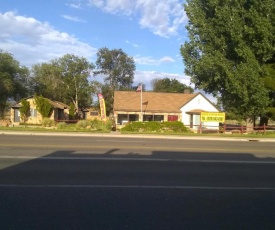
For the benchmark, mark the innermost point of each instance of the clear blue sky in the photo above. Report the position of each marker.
(150, 31)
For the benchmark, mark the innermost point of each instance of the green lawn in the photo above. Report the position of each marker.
(72, 128)
(69, 128)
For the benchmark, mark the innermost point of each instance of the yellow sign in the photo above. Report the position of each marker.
(102, 106)
(212, 117)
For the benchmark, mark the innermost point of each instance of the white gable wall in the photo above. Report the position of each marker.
(198, 103)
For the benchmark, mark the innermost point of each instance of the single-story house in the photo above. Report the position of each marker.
(60, 112)
(153, 106)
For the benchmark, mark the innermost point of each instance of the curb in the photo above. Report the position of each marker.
(152, 136)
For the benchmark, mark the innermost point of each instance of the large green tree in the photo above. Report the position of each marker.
(48, 82)
(118, 70)
(13, 80)
(106, 91)
(229, 43)
(168, 85)
(65, 79)
(269, 82)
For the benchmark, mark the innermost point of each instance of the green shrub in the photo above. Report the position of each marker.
(24, 110)
(134, 127)
(100, 125)
(72, 111)
(61, 125)
(175, 126)
(82, 124)
(96, 124)
(154, 126)
(109, 125)
(43, 106)
(47, 122)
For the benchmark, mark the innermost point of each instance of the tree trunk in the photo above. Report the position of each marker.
(249, 125)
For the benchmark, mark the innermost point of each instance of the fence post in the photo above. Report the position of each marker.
(241, 129)
(264, 128)
(224, 128)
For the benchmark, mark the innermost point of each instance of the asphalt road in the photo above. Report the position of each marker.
(68, 182)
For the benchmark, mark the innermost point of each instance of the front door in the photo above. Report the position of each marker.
(16, 115)
(196, 121)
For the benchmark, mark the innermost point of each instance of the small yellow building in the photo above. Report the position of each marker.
(60, 112)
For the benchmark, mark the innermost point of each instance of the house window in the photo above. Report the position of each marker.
(133, 117)
(94, 113)
(158, 117)
(147, 117)
(122, 119)
(153, 118)
(172, 118)
(33, 112)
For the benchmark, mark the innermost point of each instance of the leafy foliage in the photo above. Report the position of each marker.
(24, 110)
(175, 126)
(82, 124)
(61, 125)
(269, 82)
(230, 41)
(47, 81)
(168, 85)
(93, 125)
(65, 79)
(118, 71)
(108, 97)
(154, 126)
(271, 113)
(43, 106)
(72, 111)
(101, 125)
(47, 122)
(13, 80)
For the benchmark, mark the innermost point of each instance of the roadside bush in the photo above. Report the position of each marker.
(100, 125)
(96, 124)
(134, 127)
(82, 124)
(154, 126)
(61, 125)
(175, 126)
(47, 122)
(109, 125)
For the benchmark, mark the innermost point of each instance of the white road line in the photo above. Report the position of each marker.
(136, 187)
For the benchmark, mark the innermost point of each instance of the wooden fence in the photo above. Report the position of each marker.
(230, 128)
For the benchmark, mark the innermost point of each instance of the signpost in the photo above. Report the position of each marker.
(102, 107)
(212, 117)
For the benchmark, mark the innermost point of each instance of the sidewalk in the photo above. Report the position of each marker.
(119, 135)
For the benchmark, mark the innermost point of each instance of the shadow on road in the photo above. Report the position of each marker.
(68, 189)
(161, 168)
